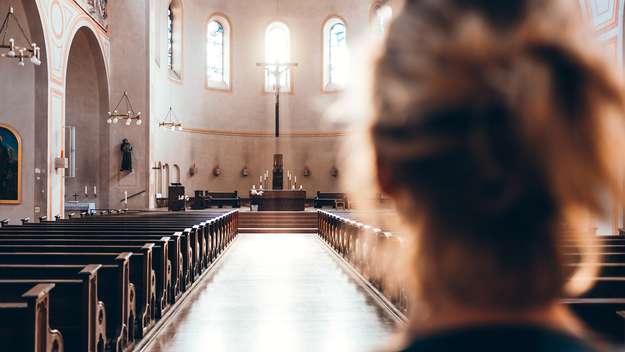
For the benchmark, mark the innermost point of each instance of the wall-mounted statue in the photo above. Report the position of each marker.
(126, 149)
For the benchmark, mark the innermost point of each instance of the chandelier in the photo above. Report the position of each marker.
(170, 121)
(29, 52)
(127, 115)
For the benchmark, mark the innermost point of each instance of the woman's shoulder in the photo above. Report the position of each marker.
(511, 338)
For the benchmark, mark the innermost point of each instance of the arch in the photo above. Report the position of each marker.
(86, 104)
(277, 50)
(166, 184)
(335, 54)
(218, 56)
(175, 39)
(32, 90)
(176, 178)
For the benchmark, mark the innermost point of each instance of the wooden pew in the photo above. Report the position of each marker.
(160, 256)
(24, 321)
(605, 316)
(73, 305)
(329, 199)
(94, 240)
(189, 240)
(220, 199)
(142, 275)
(118, 294)
(177, 260)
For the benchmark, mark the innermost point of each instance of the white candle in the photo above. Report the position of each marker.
(261, 179)
(126, 197)
(86, 190)
(295, 179)
(95, 190)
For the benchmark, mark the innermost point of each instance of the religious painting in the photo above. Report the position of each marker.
(10, 166)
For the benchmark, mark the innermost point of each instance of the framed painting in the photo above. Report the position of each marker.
(10, 166)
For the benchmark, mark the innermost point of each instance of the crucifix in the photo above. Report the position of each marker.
(76, 195)
(276, 70)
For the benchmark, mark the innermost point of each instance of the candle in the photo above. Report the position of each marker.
(95, 190)
(86, 190)
(295, 179)
(126, 197)
(261, 179)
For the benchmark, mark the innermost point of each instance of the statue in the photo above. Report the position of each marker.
(126, 149)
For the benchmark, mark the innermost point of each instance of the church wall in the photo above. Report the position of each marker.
(17, 109)
(87, 104)
(229, 128)
(129, 72)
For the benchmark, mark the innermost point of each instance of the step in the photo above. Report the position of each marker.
(278, 230)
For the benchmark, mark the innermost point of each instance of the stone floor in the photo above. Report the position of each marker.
(278, 293)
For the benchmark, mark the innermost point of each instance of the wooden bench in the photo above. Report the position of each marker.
(162, 253)
(24, 323)
(179, 251)
(220, 199)
(160, 256)
(118, 294)
(73, 306)
(605, 316)
(330, 200)
(142, 276)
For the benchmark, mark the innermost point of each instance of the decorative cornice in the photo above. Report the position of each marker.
(291, 134)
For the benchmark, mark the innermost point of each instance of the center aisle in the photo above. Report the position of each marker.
(277, 292)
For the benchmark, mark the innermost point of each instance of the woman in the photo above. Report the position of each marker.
(492, 130)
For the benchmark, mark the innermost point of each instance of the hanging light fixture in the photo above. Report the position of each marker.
(30, 51)
(170, 121)
(127, 115)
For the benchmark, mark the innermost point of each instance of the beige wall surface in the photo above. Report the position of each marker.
(86, 107)
(19, 110)
(129, 72)
(246, 108)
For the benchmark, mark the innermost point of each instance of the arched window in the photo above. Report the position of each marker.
(218, 53)
(174, 39)
(335, 54)
(277, 51)
(381, 16)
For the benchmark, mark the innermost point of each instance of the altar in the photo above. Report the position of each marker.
(281, 200)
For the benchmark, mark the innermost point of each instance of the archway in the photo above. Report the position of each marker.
(86, 105)
(24, 107)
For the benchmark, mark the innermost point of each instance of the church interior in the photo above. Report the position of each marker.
(186, 175)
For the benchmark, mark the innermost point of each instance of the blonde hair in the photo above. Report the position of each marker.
(496, 125)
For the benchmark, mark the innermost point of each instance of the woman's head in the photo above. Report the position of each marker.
(492, 124)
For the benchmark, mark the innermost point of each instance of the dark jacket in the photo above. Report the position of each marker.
(508, 338)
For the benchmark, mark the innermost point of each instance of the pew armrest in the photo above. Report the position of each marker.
(4, 222)
(38, 291)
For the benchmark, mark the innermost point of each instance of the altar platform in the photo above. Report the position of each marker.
(280, 200)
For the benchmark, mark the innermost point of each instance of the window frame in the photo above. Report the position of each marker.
(289, 78)
(226, 84)
(328, 24)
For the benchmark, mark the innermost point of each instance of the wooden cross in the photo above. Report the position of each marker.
(76, 195)
(277, 70)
